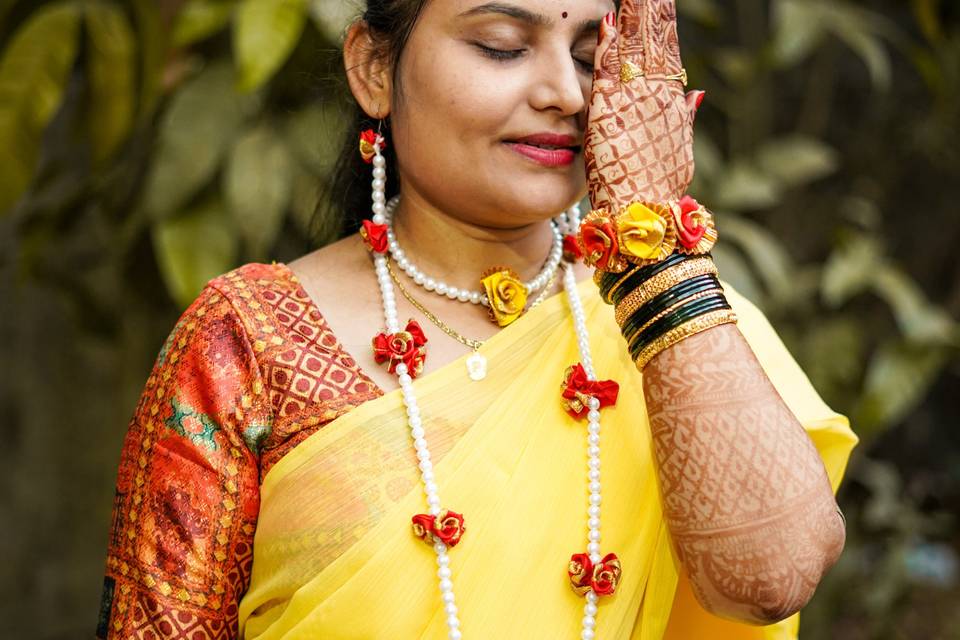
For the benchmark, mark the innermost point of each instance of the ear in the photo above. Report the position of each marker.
(369, 78)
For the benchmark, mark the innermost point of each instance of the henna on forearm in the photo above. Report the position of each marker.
(745, 494)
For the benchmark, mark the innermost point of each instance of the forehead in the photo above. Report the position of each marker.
(536, 13)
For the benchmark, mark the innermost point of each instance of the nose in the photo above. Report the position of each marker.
(559, 85)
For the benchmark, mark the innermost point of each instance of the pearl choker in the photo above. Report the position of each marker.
(439, 287)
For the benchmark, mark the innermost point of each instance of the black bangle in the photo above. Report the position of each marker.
(687, 312)
(644, 273)
(609, 279)
(660, 302)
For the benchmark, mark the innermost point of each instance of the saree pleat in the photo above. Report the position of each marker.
(334, 555)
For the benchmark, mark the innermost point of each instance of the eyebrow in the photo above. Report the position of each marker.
(513, 11)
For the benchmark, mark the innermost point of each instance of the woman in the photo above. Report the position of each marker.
(268, 487)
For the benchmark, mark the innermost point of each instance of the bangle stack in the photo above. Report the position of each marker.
(654, 266)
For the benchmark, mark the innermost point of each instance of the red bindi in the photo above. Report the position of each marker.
(564, 14)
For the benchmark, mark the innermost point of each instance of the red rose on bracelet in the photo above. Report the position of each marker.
(447, 527)
(374, 236)
(577, 388)
(598, 240)
(691, 223)
(601, 578)
(404, 346)
(571, 249)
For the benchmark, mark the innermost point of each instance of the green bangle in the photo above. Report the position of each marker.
(660, 302)
(681, 315)
(643, 274)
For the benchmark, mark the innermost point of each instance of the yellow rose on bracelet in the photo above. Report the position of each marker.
(506, 293)
(646, 232)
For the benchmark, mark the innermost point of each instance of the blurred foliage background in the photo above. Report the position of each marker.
(148, 146)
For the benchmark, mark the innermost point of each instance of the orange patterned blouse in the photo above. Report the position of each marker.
(250, 370)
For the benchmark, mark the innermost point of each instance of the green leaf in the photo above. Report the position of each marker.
(151, 38)
(309, 134)
(850, 270)
(257, 184)
(193, 248)
(264, 35)
(872, 52)
(919, 320)
(798, 29)
(744, 186)
(735, 270)
(196, 129)
(706, 12)
(33, 75)
(110, 66)
(332, 18)
(200, 19)
(797, 160)
(767, 254)
(898, 378)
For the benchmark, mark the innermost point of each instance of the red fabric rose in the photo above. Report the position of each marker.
(571, 249)
(690, 227)
(601, 578)
(606, 575)
(598, 240)
(405, 346)
(577, 388)
(374, 236)
(446, 527)
(367, 139)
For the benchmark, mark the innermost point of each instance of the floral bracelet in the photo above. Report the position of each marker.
(643, 233)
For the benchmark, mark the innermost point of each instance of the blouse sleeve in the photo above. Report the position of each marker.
(187, 492)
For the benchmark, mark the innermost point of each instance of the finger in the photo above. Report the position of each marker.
(630, 28)
(607, 59)
(694, 100)
(660, 42)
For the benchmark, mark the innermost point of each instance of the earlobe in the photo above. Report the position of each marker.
(367, 75)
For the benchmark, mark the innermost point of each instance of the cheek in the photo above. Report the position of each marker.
(455, 97)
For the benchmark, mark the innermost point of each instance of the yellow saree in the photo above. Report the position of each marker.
(334, 556)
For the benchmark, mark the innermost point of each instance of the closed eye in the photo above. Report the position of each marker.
(512, 54)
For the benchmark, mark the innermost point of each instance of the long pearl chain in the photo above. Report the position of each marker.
(565, 223)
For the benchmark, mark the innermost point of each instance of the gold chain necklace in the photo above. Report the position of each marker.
(476, 363)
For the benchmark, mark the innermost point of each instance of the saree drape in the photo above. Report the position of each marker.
(334, 556)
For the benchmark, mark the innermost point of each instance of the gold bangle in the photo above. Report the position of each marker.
(677, 334)
(661, 282)
(672, 307)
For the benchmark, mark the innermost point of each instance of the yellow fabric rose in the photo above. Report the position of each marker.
(644, 233)
(507, 295)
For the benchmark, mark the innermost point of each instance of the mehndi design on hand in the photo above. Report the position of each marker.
(639, 136)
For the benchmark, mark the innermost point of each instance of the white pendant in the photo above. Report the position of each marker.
(477, 366)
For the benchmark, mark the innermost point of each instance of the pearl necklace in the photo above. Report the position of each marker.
(566, 223)
(417, 433)
(441, 288)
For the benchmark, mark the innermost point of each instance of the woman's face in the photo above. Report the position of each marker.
(476, 77)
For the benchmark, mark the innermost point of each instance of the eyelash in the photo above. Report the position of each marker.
(512, 54)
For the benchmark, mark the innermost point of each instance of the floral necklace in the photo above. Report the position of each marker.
(591, 574)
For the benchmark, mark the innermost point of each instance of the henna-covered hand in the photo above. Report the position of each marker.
(639, 136)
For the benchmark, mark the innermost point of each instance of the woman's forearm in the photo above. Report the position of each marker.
(745, 494)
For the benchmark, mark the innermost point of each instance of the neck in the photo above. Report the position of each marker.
(457, 251)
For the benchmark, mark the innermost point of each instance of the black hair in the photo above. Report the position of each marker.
(344, 195)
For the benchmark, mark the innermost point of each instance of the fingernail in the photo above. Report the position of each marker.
(703, 94)
(611, 18)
